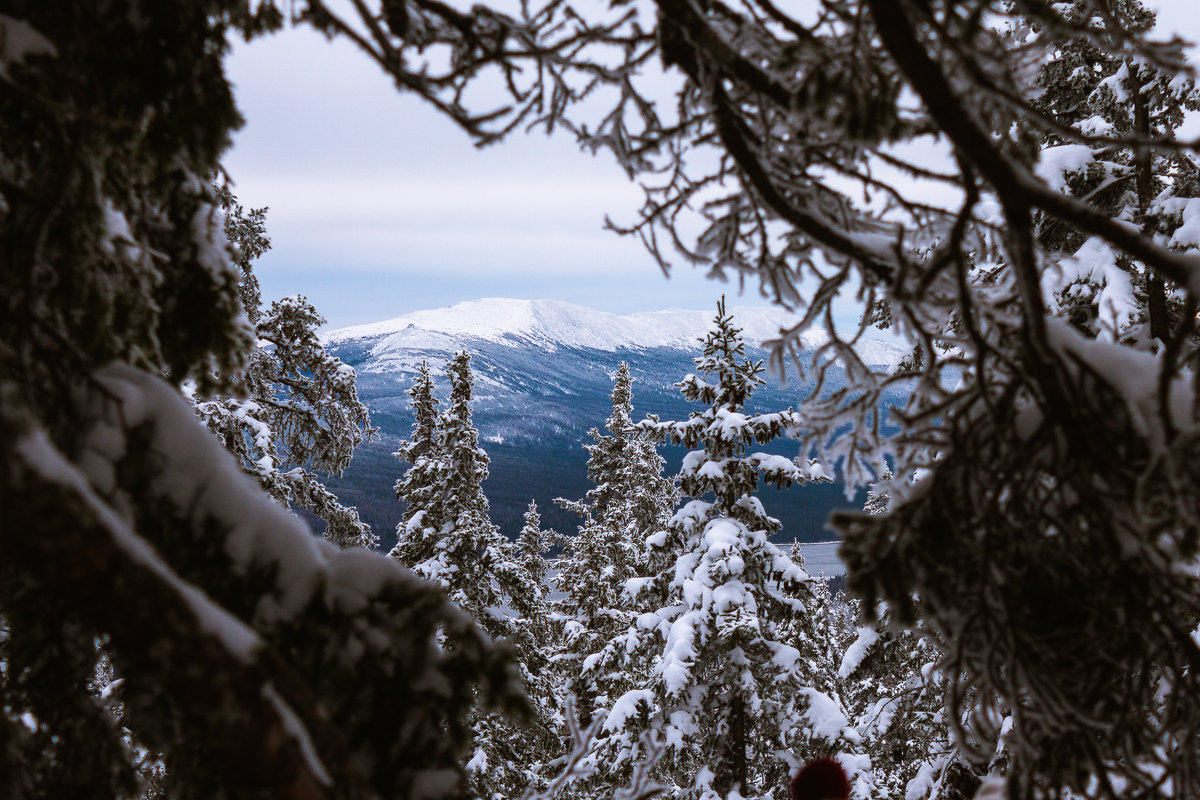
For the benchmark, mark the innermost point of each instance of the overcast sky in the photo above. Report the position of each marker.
(379, 206)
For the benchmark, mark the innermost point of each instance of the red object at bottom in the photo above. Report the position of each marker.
(821, 779)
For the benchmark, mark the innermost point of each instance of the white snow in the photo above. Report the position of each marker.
(1055, 163)
(786, 657)
(692, 461)
(208, 232)
(117, 235)
(237, 638)
(634, 586)
(1095, 126)
(918, 788)
(825, 718)
(647, 620)
(1096, 262)
(478, 761)
(1116, 84)
(553, 324)
(18, 41)
(1188, 211)
(857, 651)
(627, 706)
(675, 665)
(1133, 375)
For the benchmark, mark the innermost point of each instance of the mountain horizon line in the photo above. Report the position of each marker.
(550, 324)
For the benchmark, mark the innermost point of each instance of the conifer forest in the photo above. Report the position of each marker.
(1006, 187)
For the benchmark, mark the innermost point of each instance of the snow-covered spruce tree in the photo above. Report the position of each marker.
(725, 693)
(295, 408)
(1091, 87)
(532, 545)
(258, 660)
(448, 539)
(626, 469)
(896, 692)
(629, 500)
(822, 634)
(422, 452)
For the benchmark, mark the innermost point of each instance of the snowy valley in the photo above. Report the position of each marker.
(543, 376)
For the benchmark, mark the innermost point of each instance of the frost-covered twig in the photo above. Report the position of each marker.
(641, 787)
(576, 765)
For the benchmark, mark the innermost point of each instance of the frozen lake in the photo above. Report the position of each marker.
(821, 557)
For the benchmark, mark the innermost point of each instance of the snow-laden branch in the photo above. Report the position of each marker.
(277, 648)
(212, 664)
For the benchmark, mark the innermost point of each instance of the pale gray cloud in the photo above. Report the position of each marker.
(370, 188)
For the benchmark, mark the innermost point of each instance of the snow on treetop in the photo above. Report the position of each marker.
(1055, 163)
(550, 324)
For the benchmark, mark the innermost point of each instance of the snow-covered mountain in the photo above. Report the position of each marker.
(543, 375)
(548, 325)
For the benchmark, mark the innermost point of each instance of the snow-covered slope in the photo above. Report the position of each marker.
(551, 324)
(543, 373)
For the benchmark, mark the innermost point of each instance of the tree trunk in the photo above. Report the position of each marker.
(1156, 293)
(737, 744)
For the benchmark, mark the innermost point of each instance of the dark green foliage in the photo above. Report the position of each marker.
(295, 409)
(250, 659)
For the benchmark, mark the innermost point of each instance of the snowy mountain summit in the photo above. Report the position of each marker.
(548, 325)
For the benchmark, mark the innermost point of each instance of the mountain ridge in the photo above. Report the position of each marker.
(556, 323)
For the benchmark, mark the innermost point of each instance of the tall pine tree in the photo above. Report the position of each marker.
(294, 411)
(725, 692)
(629, 499)
(532, 545)
(448, 538)
(421, 451)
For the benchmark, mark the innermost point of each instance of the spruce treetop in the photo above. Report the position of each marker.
(722, 468)
(422, 441)
(619, 422)
(723, 359)
(532, 545)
